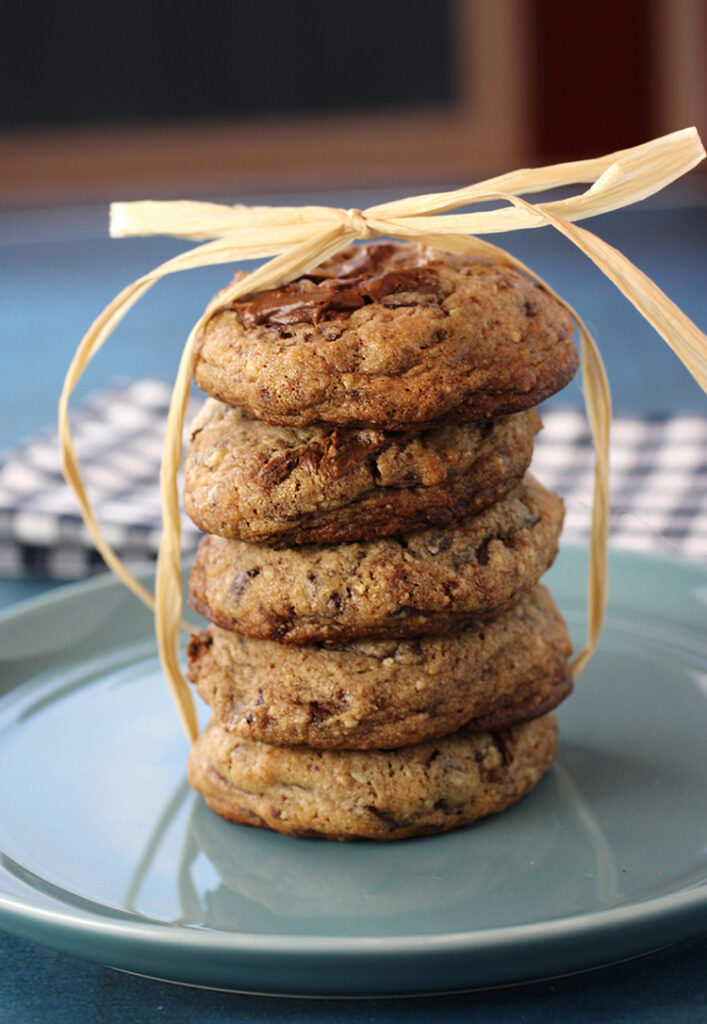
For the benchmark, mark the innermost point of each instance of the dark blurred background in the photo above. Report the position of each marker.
(105, 100)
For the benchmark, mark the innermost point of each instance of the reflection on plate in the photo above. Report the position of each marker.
(106, 853)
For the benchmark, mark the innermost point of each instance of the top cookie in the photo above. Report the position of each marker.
(390, 335)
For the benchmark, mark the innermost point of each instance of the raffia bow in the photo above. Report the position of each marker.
(299, 238)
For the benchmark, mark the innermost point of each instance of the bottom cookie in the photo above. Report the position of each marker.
(373, 794)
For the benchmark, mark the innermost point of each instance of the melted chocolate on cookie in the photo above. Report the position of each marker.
(341, 285)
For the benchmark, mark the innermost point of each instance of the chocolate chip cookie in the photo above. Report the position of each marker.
(389, 335)
(387, 693)
(250, 480)
(372, 794)
(428, 581)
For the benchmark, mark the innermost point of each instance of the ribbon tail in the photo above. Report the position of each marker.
(675, 328)
(168, 582)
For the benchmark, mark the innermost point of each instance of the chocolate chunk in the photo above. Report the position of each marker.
(384, 816)
(482, 551)
(198, 643)
(502, 739)
(333, 456)
(506, 538)
(290, 305)
(346, 450)
(277, 469)
(241, 582)
(279, 466)
(320, 711)
(339, 286)
(310, 456)
(417, 279)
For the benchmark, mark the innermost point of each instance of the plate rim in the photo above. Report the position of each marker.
(628, 915)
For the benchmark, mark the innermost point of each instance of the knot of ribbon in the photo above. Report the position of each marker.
(297, 239)
(359, 224)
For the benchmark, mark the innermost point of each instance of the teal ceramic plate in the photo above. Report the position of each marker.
(106, 854)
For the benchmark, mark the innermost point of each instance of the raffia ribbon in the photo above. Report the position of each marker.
(300, 238)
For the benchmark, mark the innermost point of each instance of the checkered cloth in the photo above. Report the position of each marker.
(659, 484)
(658, 480)
(118, 435)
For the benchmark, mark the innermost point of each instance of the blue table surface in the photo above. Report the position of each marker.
(58, 270)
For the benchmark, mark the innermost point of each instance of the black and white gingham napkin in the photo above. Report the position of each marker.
(658, 480)
(658, 477)
(118, 435)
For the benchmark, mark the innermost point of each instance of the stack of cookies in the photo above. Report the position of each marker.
(382, 661)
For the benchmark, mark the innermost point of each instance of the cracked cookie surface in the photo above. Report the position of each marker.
(373, 794)
(394, 335)
(426, 581)
(387, 693)
(250, 480)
